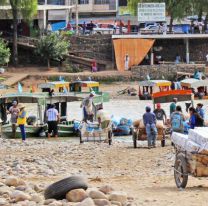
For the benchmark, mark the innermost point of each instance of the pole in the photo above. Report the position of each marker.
(152, 57)
(77, 18)
(187, 52)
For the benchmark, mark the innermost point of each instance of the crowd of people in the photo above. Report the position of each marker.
(178, 122)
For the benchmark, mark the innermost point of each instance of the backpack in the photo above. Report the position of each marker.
(199, 120)
(177, 122)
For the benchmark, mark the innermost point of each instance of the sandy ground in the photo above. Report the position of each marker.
(146, 175)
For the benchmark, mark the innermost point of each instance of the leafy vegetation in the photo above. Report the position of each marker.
(25, 8)
(4, 52)
(52, 47)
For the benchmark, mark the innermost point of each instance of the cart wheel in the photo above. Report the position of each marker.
(180, 171)
(110, 137)
(80, 137)
(134, 136)
(163, 143)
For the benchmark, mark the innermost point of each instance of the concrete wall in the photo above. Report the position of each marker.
(160, 71)
(96, 46)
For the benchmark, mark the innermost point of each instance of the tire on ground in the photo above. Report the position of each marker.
(58, 190)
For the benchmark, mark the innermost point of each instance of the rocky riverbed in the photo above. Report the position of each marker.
(144, 176)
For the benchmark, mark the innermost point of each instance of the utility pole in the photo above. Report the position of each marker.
(77, 17)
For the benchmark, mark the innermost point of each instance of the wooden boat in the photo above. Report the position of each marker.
(199, 87)
(85, 87)
(147, 88)
(42, 100)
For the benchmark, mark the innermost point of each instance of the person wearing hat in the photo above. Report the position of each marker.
(21, 120)
(160, 113)
(87, 105)
(173, 106)
(200, 110)
(53, 118)
(149, 120)
(14, 110)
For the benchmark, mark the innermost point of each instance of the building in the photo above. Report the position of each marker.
(86, 8)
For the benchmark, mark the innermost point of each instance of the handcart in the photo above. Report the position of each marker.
(186, 164)
(141, 135)
(91, 132)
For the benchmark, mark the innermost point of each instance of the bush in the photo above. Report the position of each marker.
(4, 52)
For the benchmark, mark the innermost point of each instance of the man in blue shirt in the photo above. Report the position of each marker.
(200, 110)
(149, 120)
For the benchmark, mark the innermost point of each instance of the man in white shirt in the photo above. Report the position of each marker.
(53, 118)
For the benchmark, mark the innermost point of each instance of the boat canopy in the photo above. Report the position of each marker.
(153, 83)
(54, 85)
(41, 98)
(87, 83)
(167, 96)
(194, 83)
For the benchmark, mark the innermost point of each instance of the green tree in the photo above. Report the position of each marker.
(176, 9)
(4, 52)
(200, 8)
(25, 9)
(52, 47)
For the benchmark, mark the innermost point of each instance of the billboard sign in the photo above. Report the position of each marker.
(151, 12)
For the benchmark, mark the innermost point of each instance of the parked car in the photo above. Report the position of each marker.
(152, 29)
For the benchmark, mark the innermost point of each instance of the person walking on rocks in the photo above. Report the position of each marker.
(14, 111)
(149, 120)
(52, 115)
(21, 121)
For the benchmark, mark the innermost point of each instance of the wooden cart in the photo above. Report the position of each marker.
(141, 135)
(186, 164)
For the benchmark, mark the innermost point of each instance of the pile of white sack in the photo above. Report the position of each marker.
(195, 142)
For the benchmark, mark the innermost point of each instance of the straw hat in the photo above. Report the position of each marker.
(20, 106)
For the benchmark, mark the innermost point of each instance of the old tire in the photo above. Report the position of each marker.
(180, 171)
(58, 190)
(134, 139)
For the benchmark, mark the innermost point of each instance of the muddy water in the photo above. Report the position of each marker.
(131, 109)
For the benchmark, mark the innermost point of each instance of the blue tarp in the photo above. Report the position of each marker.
(58, 26)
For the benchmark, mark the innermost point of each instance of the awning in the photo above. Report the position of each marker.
(136, 49)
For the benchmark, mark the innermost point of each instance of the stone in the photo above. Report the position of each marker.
(56, 203)
(5, 190)
(86, 202)
(102, 202)
(77, 195)
(3, 202)
(36, 198)
(116, 203)
(12, 181)
(106, 189)
(48, 201)
(118, 196)
(97, 195)
(17, 196)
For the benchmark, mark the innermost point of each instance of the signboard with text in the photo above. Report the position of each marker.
(151, 12)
